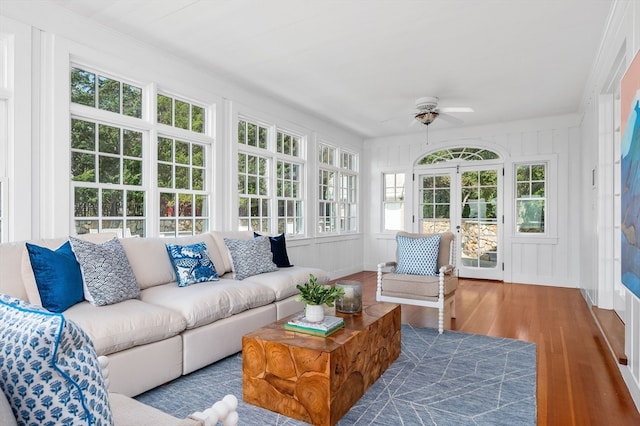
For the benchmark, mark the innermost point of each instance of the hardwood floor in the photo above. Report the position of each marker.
(578, 380)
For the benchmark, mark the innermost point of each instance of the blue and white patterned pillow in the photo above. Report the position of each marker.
(106, 273)
(418, 256)
(191, 263)
(250, 257)
(49, 369)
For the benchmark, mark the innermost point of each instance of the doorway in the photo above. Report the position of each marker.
(464, 197)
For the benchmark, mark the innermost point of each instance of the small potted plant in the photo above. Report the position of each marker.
(315, 296)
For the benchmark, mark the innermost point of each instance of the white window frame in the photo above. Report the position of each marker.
(545, 199)
(269, 219)
(150, 129)
(395, 201)
(337, 202)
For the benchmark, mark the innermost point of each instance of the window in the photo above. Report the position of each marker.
(337, 191)
(106, 174)
(270, 179)
(6, 96)
(2, 219)
(180, 114)
(530, 198)
(393, 202)
(181, 183)
(111, 169)
(254, 209)
(108, 94)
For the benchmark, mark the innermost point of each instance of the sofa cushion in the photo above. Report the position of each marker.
(55, 378)
(418, 255)
(149, 260)
(423, 287)
(279, 250)
(191, 263)
(250, 257)
(130, 323)
(106, 272)
(283, 282)
(57, 275)
(205, 303)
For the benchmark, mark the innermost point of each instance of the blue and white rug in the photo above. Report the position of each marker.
(449, 379)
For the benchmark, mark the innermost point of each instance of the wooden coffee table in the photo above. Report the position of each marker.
(318, 379)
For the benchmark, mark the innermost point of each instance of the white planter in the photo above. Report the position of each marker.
(314, 313)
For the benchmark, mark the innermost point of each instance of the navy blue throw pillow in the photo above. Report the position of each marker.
(279, 250)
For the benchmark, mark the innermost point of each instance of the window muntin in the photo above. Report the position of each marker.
(254, 203)
(458, 154)
(337, 188)
(105, 93)
(530, 198)
(181, 114)
(289, 198)
(393, 201)
(181, 179)
(252, 134)
(110, 170)
(270, 179)
(107, 178)
(327, 206)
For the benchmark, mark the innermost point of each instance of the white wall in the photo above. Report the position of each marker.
(549, 260)
(597, 262)
(48, 39)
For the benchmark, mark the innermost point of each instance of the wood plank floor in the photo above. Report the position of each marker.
(578, 380)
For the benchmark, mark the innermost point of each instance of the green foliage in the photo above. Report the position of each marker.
(313, 293)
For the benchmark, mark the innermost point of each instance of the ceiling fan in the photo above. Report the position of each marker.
(428, 111)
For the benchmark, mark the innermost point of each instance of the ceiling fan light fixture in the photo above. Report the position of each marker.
(426, 117)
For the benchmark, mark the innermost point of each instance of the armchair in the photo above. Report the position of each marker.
(423, 274)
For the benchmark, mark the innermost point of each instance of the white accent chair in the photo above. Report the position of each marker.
(431, 291)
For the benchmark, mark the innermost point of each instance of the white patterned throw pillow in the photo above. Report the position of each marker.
(106, 273)
(250, 257)
(49, 370)
(418, 256)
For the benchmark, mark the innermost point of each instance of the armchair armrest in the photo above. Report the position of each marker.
(391, 264)
(447, 269)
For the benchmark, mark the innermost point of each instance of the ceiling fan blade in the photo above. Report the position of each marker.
(455, 109)
(450, 118)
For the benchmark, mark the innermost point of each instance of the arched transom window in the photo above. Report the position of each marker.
(458, 154)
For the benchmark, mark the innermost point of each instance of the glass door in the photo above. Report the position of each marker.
(466, 201)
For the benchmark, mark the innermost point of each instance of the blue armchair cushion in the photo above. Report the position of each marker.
(418, 256)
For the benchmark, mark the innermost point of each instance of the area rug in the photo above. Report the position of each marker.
(449, 379)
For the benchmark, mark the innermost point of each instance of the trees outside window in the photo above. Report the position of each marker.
(530, 198)
(270, 179)
(111, 169)
(337, 190)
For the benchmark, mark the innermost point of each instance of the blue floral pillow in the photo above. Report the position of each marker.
(192, 263)
(49, 369)
(418, 256)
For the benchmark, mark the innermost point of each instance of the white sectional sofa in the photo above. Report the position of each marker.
(169, 331)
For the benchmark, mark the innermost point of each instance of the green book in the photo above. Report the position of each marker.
(313, 331)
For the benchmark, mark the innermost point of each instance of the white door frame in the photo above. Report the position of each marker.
(454, 170)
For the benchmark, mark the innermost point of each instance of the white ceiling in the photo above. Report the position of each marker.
(362, 63)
